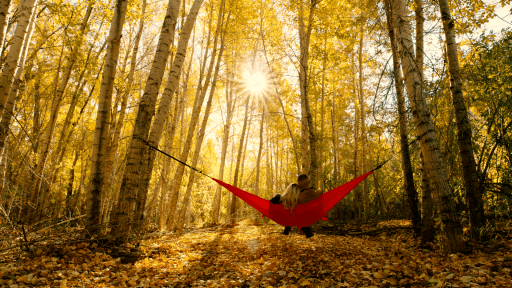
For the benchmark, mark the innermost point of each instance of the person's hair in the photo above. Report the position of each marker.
(290, 196)
(303, 180)
(302, 177)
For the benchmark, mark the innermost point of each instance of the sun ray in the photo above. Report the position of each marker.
(255, 83)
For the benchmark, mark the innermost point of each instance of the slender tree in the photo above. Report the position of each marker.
(116, 133)
(199, 141)
(307, 119)
(233, 206)
(122, 214)
(26, 8)
(6, 119)
(100, 142)
(230, 106)
(407, 173)
(452, 239)
(464, 134)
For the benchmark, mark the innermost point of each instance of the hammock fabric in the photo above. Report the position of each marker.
(302, 215)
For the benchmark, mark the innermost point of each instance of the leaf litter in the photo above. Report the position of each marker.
(248, 255)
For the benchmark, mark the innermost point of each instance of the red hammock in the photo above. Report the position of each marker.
(302, 215)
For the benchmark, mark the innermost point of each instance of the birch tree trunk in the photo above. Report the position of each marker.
(307, 119)
(100, 142)
(163, 109)
(366, 196)
(232, 210)
(464, 134)
(407, 173)
(198, 102)
(179, 111)
(335, 170)
(5, 6)
(427, 206)
(122, 213)
(260, 152)
(13, 56)
(5, 122)
(114, 143)
(322, 112)
(199, 140)
(452, 240)
(357, 190)
(230, 105)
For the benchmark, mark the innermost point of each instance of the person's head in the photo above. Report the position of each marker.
(303, 181)
(290, 196)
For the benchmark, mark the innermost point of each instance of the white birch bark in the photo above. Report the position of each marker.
(178, 114)
(114, 143)
(13, 56)
(123, 213)
(307, 119)
(163, 109)
(230, 105)
(233, 206)
(199, 142)
(366, 196)
(464, 134)
(452, 240)
(5, 6)
(260, 152)
(100, 140)
(5, 122)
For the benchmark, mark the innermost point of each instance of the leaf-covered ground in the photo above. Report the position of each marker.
(246, 255)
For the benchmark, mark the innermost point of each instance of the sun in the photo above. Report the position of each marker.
(255, 82)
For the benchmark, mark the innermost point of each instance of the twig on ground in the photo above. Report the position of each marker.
(379, 230)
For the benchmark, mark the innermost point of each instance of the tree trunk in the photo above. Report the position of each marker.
(366, 196)
(163, 110)
(357, 190)
(100, 142)
(5, 122)
(199, 141)
(26, 9)
(114, 143)
(179, 111)
(407, 173)
(335, 170)
(464, 134)
(307, 119)
(452, 240)
(232, 210)
(146, 109)
(164, 106)
(304, 38)
(230, 105)
(260, 152)
(40, 190)
(5, 6)
(427, 207)
(322, 113)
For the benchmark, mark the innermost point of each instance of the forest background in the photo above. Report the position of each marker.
(254, 93)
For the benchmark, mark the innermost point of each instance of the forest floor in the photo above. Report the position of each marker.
(249, 255)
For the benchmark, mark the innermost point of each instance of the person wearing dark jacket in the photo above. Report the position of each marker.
(294, 194)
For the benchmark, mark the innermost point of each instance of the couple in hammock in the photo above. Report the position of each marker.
(294, 194)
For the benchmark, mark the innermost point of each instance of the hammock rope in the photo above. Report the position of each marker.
(301, 215)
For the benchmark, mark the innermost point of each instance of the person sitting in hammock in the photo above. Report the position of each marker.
(294, 194)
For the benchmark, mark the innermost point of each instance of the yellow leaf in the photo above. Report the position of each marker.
(23, 278)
